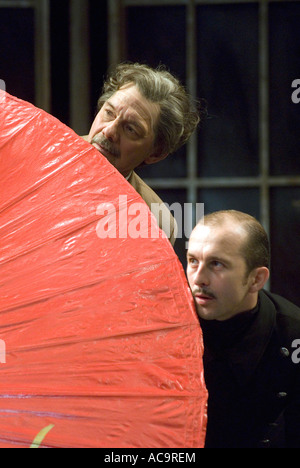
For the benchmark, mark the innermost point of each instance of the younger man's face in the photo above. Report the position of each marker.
(216, 272)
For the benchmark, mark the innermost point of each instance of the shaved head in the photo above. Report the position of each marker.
(256, 248)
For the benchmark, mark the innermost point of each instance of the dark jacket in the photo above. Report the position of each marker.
(252, 381)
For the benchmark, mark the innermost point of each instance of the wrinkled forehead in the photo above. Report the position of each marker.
(128, 100)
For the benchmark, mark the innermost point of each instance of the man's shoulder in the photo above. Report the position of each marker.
(146, 192)
(287, 313)
(163, 215)
(283, 305)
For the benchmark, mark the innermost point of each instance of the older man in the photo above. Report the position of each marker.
(249, 335)
(144, 114)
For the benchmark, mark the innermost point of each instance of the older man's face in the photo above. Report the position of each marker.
(124, 130)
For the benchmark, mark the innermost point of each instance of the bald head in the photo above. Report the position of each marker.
(255, 248)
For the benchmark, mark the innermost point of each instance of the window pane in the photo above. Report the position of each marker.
(173, 166)
(228, 80)
(98, 48)
(60, 60)
(284, 69)
(17, 51)
(155, 36)
(241, 199)
(285, 245)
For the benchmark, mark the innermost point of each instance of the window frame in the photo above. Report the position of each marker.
(264, 182)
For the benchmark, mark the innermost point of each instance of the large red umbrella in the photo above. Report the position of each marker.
(100, 342)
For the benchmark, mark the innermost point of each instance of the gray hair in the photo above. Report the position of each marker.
(179, 115)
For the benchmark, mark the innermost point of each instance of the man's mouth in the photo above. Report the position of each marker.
(103, 151)
(105, 147)
(203, 298)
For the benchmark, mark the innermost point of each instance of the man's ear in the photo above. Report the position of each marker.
(155, 157)
(259, 278)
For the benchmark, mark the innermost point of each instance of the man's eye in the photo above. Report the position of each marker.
(131, 130)
(108, 113)
(192, 261)
(217, 264)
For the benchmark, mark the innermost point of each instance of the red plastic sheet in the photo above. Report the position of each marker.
(100, 338)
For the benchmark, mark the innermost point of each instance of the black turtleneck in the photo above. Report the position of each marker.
(219, 339)
(221, 335)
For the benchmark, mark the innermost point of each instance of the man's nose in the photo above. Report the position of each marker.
(111, 131)
(202, 276)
